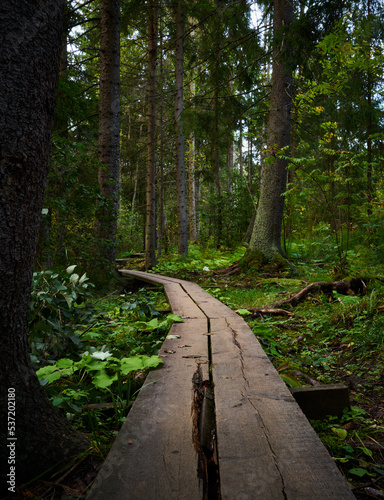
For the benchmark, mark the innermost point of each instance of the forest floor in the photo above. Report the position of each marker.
(324, 338)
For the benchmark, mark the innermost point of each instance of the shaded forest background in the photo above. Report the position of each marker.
(334, 200)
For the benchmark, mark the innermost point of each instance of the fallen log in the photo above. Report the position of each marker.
(354, 286)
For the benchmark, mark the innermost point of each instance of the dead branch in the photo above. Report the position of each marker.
(354, 286)
(261, 311)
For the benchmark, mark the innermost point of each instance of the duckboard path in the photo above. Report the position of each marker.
(215, 421)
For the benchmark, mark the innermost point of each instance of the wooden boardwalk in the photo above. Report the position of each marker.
(216, 421)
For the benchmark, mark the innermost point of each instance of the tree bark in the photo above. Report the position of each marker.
(180, 161)
(150, 229)
(30, 40)
(109, 128)
(266, 237)
(192, 190)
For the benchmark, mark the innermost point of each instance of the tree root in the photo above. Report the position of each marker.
(268, 311)
(354, 286)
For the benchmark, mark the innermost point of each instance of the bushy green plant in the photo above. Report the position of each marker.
(57, 304)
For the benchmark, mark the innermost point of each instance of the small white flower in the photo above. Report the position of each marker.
(205, 268)
(101, 355)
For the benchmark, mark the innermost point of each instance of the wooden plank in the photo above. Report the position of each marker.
(179, 300)
(212, 307)
(181, 303)
(154, 456)
(266, 447)
(148, 277)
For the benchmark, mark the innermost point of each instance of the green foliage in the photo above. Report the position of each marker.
(57, 304)
(198, 260)
(100, 366)
(348, 438)
(115, 341)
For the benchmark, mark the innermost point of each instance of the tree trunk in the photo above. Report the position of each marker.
(150, 230)
(192, 190)
(109, 128)
(265, 244)
(241, 149)
(180, 162)
(30, 40)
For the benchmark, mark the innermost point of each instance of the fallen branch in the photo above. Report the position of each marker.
(261, 311)
(306, 377)
(355, 286)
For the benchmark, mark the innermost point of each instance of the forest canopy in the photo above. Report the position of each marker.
(222, 53)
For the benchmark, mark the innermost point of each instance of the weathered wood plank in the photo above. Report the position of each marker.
(181, 303)
(267, 448)
(148, 277)
(154, 456)
(212, 307)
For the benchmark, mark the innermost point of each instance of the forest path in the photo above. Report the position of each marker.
(216, 421)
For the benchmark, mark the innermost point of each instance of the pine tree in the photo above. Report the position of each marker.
(265, 243)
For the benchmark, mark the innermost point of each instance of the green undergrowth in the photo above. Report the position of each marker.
(92, 353)
(87, 359)
(337, 339)
(198, 261)
(324, 339)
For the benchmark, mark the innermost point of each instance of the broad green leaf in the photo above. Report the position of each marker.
(103, 380)
(74, 278)
(57, 401)
(64, 363)
(92, 364)
(342, 433)
(243, 312)
(69, 299)
(175, 318)
(83, 278)
(131, 364)
(147, 325)
(151, 361)
(358, 471)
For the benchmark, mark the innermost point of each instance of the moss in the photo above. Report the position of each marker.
(253, 259)
(279, 262)
(257, 260)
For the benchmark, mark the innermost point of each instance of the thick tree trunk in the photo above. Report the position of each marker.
(30, 40)
(109, 127)
(265, 242)
(180, 162)
(150, 229)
